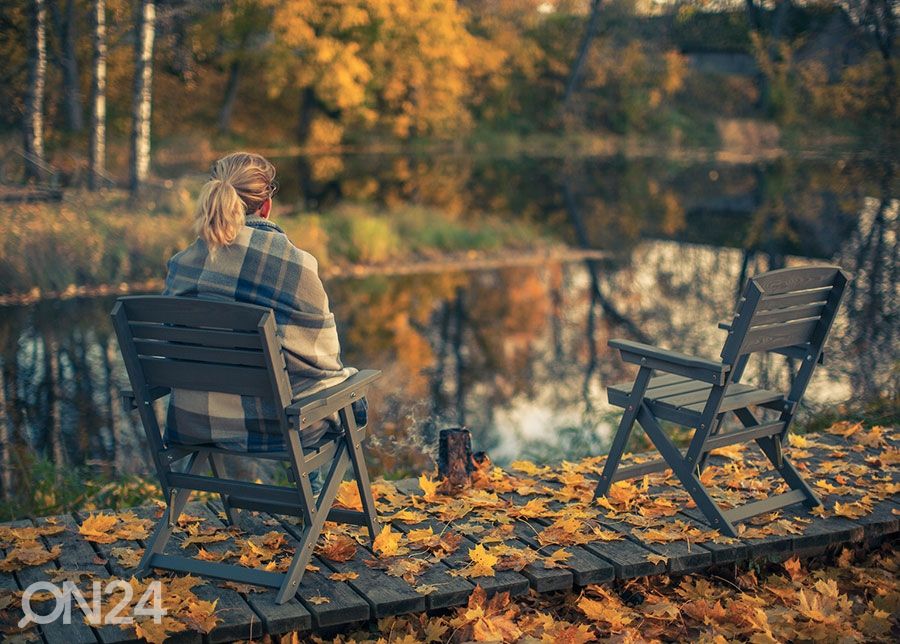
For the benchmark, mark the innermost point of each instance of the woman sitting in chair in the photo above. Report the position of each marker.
(241, 256)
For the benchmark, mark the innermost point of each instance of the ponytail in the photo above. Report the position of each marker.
(240, 183)
(220, 213)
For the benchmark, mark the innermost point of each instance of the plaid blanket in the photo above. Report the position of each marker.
(260, 267)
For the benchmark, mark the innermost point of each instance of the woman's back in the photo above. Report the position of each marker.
(253, 262)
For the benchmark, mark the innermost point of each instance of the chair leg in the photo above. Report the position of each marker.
(312, 529)
(353, 438)
(704, 458)
(218, 470)
(623, 433)
(771, 447)
(685, 474)
(166, 524)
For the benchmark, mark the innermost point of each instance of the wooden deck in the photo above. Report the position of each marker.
(856, 474)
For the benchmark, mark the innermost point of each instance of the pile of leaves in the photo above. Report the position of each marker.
(854, 598)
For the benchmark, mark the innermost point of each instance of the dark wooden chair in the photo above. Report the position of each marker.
(202, 345)
(789, 311)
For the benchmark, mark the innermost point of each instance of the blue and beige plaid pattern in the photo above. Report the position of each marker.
(260, 267)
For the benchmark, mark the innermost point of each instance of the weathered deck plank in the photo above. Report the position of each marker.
(342, 606)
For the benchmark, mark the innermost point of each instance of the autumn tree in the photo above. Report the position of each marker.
(398, 65)
(240, 35)
(97, 143)
(143, 94)
(878, 19)
(34, 99)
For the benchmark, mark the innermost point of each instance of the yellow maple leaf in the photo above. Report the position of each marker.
(97, 528)
(343, 576)
(387, 543)
(614, 618)
(483, 562)
(429, 487)
(527, 467)
(348, 496)
(33, 554)
(557, 559)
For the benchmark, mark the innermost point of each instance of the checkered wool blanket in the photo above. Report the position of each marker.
(260, 267)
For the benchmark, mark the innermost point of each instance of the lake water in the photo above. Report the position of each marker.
(519, 355)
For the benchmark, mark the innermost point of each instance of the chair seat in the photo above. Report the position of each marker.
(681, 399)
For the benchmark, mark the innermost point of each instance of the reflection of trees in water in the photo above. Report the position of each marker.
(873, 304)
(61, 381)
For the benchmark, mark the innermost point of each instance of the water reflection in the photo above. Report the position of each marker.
(518, 355)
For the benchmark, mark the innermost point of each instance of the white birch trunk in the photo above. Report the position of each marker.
(34, 100)
(143, 95)
(97, 152)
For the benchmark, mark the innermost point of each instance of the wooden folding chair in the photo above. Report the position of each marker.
(214, 346)
(789, 311)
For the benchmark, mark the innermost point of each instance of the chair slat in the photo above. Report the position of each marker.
(777, 336)
(739, 396)
(204, 337)
(198, 376)
(236, 357)
(771, 302)
(788, 314)
(788, 280)
(194, 312)
(689, 387)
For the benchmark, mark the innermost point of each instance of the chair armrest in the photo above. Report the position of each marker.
(324, 403)
(130, 403)
(671, 361)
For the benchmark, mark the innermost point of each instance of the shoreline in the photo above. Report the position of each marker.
(471, 261)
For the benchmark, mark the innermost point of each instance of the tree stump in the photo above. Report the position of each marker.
(455, 457)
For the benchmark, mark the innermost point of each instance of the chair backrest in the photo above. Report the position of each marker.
(203, 345)
(787, 308)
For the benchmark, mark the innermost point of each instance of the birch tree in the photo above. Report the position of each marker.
(34, 99)
(97, 149)
(143, 94)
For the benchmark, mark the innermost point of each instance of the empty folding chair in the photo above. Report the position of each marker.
(789, 311)
(231, 348)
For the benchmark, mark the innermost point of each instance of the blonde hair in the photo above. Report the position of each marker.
(239, 184)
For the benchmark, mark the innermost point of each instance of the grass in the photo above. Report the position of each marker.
(92, 240)
(48, 489)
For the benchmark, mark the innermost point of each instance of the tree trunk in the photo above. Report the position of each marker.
(34, 99)
(97, 151)
(68, 62)
(584, 47)
(143, 95)
(231, 90)
(308, 104)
